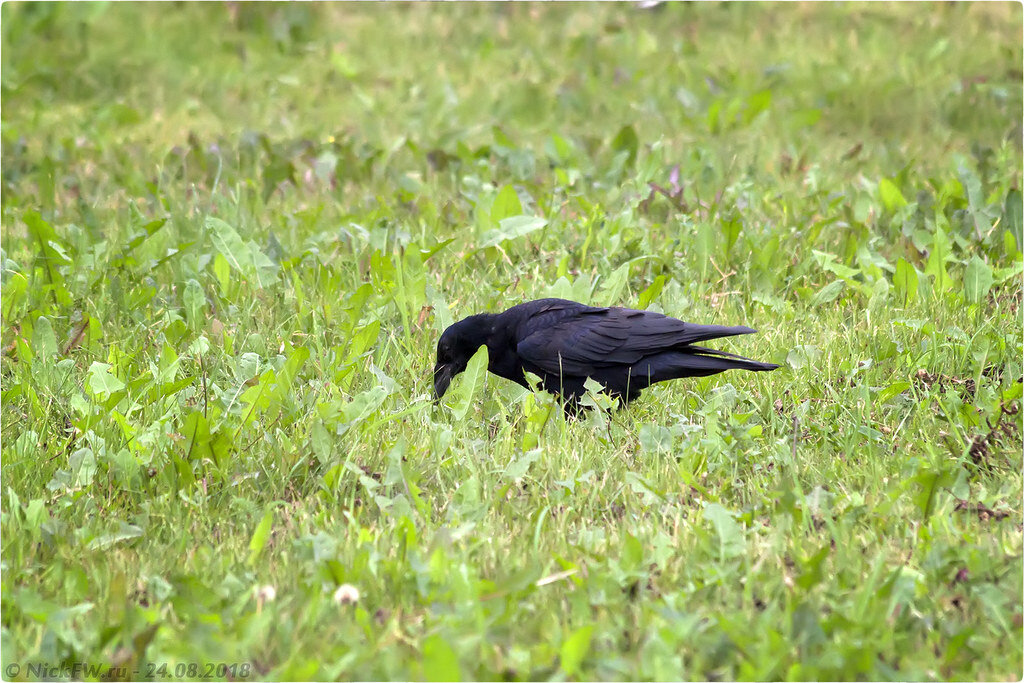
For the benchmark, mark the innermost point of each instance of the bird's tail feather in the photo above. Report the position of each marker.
(726, 361)
(748, 364)
(698, 333)
(695, 362)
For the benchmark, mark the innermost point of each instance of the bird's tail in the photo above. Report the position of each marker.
(698, 365)
(730, 361)
(697, 333)
(691, 361)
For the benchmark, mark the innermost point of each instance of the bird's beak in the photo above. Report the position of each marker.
(442, 378)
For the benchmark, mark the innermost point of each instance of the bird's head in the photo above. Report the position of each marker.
(456, 346)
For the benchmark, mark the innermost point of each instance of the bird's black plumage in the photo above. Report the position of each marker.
(564, 343)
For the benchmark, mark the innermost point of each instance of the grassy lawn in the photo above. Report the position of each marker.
(232, 234)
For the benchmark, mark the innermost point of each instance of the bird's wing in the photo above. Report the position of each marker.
(605, 337)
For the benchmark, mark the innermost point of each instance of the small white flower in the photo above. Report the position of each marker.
(346, 594)
(266, 593)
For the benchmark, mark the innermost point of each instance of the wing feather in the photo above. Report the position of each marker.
(591, 338)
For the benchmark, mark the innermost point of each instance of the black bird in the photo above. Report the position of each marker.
(564, 343)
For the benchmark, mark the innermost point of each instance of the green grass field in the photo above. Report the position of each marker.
(233, 233)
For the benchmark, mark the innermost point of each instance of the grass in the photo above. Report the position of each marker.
(232, 234)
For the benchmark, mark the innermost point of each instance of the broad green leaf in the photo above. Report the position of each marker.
(759, 102)
(362, 340)
(655, 438)
(930, 480)
(731, 541)
(828, 262)
(196, 431)
(364, 404)
(1015, 391)
(440, 662)
(321, 441)
(124, 532)
(870, 433)
(905, 281)
(891, 391)
(1010, 243)
(296, 358)
(578, 290)
(714, 115)
(199, 346)
(612, 288)
(892, 198)
(82, 467)
(171, 388)
(140, 237)
(50, 255)
(872, 264)
(45, 238)
(355, 303)
(518, 468)
(13, 294)
(1012, 216)
(560, 289)
(36, 514)
(259, 395)
(245, 257)
(465, 385)
(229, 243)
(44, 341)
(264, 270)
(652, 292)
(260, 536)
(976, 205)
(427, 253)
(168, 366)
(632, 555)
(511, 228)
(802, 356)
(805, 628)
(389, 384)
(194, 300)
(277, 170)
(627, 141)
(978, 280)
(538, 408)
(731, 230)
(1013, 272)
(596, 397)
(222, 271)
(506, 205)
(574, 649)
(828, 293)
(502, 138)
(559, 148)
(804, 118)
(937, 259)
(101, 383)
(522, 581)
